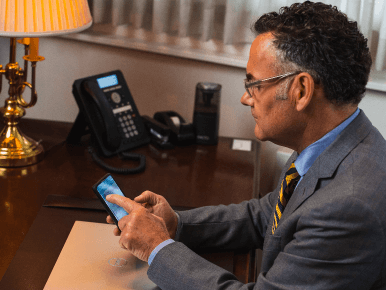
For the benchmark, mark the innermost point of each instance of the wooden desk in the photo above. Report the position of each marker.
(189, 176)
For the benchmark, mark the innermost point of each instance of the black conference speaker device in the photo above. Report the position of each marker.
(206, 114)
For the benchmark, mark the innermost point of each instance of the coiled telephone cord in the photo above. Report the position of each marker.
(123, 155)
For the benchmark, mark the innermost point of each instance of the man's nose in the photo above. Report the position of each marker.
(246, 99)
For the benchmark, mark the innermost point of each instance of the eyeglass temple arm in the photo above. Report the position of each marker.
(269, 79)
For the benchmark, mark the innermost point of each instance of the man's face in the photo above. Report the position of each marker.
(270, 107)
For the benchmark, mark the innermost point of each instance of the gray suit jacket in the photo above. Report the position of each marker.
(332, 234)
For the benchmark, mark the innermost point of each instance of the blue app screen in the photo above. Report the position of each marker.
(109, 186)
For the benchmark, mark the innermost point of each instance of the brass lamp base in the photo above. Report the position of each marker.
(18, 150)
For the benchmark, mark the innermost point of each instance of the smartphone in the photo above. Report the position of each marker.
(105, 186)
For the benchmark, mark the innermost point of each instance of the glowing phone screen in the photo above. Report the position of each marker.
(107, 81)
(109, 186)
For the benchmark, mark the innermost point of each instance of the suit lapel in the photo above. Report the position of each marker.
(327, 162)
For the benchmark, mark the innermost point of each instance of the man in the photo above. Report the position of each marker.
(324, 226)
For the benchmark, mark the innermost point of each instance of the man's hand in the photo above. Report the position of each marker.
(158, 205)
(142, 231)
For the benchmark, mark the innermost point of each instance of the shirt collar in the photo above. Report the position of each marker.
(307, 157)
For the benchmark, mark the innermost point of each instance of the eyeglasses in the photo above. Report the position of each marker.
(248, 84)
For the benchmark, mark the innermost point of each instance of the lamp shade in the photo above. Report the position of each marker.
(38, 18)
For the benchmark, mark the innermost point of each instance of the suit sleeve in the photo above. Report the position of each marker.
(231, 227)
(177, 266)
(326, 251)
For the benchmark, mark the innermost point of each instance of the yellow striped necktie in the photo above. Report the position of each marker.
(288, 185)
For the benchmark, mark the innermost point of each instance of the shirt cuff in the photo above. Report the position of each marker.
(157, 249)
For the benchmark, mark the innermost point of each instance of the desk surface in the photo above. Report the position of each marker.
(190, 176)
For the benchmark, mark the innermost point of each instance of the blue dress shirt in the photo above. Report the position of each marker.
(304, 161)
(307, 157)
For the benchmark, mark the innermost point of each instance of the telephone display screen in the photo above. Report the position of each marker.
(109, 186)
(108, 81)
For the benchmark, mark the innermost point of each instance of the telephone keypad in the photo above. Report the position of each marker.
(126, 117)
(127, 125)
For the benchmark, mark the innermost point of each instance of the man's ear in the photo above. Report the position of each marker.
(302, 91)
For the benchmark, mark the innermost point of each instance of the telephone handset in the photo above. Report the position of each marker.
(107, 108)
(110, 134)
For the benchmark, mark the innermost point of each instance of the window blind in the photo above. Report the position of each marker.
(211, 30)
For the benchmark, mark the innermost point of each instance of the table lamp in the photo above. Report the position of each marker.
(29, 20)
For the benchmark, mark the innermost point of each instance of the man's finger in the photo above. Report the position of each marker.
(109, 219)
(116, 232)
(125, 202)
(147, 197)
